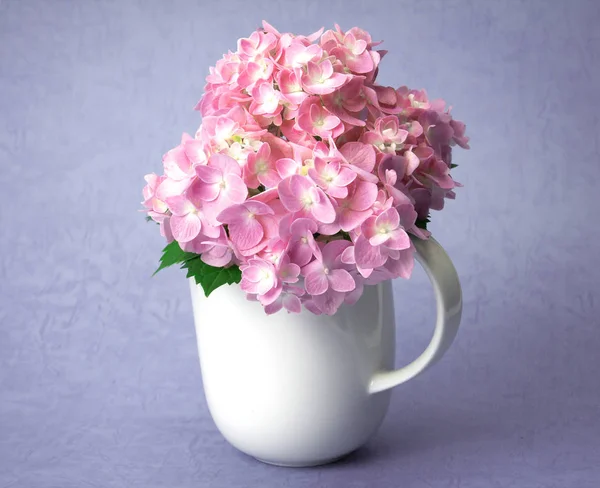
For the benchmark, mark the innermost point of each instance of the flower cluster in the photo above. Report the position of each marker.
(305, 172)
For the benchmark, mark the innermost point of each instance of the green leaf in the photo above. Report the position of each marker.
(172, 254)
(148, 218)
(209, 277)
(422, 223)
(452, 165)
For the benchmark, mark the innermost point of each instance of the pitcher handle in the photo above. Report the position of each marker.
(448, 295)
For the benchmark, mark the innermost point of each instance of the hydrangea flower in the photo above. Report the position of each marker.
(306, 173)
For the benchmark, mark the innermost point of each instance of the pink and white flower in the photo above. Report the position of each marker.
(332, 177)
(321, 79)
(306, 173)
(266, 100)
(329, 272)
(248, 225)
(316, 120)
(387, 136)
(151, 201)
(260, 168)
(259, 277)
(219, 185)
(300, 194)
(288, 299)
(302, 246)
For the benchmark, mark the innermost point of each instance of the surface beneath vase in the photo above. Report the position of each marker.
(308, 464)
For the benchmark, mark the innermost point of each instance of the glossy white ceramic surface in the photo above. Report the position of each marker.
(302, 389)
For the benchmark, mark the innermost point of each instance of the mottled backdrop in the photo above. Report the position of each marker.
(99, 380)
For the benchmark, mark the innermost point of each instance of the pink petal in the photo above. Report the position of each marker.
(185, 228)
(209, 174)
(266, 196)
(378, 239)
(424, 153)
(333, 250)
(300, 253)
(315, 266)
(289, 197)
(236, 190)
(252, 273)
(169, 188)
(292, 303)
(389, 218)
(246, 234)
(352, 297)
(330, 122)
(258, 208)
(364, 196)
(329, 302)
(180, 205)
(270, 295)
(316, 283)
(270, 178)
(363, 175)
(210, 210)
(345, 177)
(218, 256)
(400, 198)
(399, 240)
(352, 219)
(323, 210)
(341, 280)
(225, 163)
(233, 214)
(369, 227)
(195, 151)
(289, 272)
(311, 306)
(403, 266)
(201, 191)
(287, 167)
(367, 256)
(329, 229)
(212, 231)
(176, 164)
(275, 306)
(412, 162)
(300, 184)
(301, 227)
(337, 191)
(347, 256)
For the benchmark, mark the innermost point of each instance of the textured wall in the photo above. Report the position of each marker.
(99, 380)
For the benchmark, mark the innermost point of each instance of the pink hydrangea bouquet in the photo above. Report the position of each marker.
(306, 177)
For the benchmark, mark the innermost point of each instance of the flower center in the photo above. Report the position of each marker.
(308, 163)
(261, 167)
(270, 99)
(306, 200)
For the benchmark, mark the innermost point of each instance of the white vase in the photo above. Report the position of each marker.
(302, 389)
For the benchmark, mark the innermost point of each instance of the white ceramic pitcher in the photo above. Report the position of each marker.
(302, 389)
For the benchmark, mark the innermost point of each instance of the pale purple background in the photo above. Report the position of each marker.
(99, 380)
